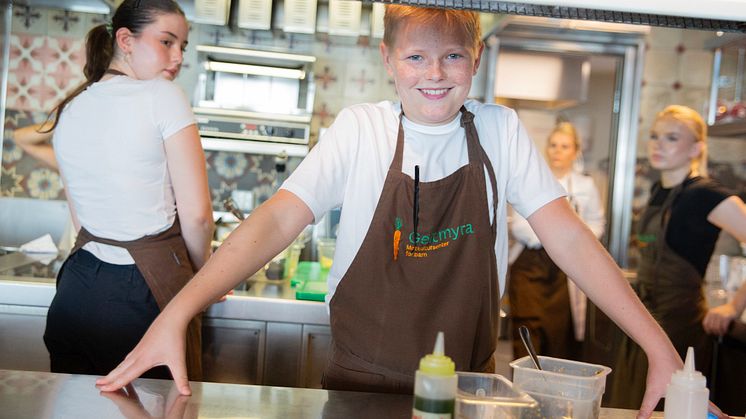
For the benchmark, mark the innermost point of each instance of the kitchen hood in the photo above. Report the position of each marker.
(102, 7)
(536, 80)
(722, 15)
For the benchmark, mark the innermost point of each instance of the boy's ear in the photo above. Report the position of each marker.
(124, 39)
(479, 59)
(386, 60)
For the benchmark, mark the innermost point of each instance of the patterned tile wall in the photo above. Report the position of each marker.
(47, 55)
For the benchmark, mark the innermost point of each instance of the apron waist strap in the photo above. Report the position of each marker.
(173, 232)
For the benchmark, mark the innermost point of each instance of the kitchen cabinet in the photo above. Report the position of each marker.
(315, 351)
(727, 105)
(233, 350)
(267, 353)
(21, 338)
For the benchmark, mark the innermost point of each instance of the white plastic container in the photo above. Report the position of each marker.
(687, 395)
(563, 388)
(435, 384)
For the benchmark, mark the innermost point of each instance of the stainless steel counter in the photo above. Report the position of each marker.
(26, 394)
(260, 335)
(27, 282)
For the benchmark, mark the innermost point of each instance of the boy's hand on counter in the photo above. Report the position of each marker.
(717, 412)
(660, 370)
(659, 375)
(162, 344)
(130, 406)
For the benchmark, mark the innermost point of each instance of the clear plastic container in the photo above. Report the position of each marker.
(326, 246)
(563, 388)
(291, 261)
(487, 396)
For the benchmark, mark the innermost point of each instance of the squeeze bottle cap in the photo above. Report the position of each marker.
(437, 363)
(689, 377)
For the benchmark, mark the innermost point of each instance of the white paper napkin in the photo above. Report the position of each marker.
(43, 244)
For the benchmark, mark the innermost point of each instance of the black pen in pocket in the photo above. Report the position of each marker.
(416, 207)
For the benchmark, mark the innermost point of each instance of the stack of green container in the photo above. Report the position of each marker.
(310, 281)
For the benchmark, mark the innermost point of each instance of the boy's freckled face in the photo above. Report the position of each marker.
(432, 68)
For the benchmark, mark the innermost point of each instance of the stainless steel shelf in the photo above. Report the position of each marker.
(728, 129)
(254, 147)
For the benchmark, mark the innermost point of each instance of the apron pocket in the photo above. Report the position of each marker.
(348, 372)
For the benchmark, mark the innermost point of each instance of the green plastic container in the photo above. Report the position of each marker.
(307, 271)
(310, 281)
(311, 290)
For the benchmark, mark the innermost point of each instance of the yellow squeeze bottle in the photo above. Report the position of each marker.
(435, 385)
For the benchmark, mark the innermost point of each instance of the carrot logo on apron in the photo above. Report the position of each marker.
(397, 236)
(644, 240)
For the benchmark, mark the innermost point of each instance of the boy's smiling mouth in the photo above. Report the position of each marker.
(434, 93)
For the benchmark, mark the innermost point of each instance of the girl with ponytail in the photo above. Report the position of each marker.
(134, 171)
(101, 52)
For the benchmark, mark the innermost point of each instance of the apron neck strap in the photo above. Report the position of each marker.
(477, 155)
(114, 72)
(472, 139)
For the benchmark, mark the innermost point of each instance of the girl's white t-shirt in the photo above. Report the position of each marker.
(110, 148)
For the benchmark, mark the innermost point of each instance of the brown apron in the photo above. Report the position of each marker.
(671, 289)
(397, 294)
(539, 300)
(163, 260)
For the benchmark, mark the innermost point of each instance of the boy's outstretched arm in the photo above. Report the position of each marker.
(269, 230)
(579, 254)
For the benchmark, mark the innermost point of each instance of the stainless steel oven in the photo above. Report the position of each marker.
(254, 101)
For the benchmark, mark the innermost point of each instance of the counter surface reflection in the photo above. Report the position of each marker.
(25, 394)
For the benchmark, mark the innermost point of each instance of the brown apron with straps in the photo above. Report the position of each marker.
(671, 289)
(402, 288)
(163, 260)
(539, 300)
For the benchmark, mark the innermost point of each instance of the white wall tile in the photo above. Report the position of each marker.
(660, 66)
(664, 37)
(695, 68)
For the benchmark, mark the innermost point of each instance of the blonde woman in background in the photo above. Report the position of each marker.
(676, 236)
(541, 296)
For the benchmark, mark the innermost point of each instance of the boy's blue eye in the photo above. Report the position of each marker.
(415, 57)
(454, 56)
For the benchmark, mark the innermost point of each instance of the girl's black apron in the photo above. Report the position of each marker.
(671, 289)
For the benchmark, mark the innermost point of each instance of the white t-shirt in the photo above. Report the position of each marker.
(583, 196)
(110, 148)
(348, 168)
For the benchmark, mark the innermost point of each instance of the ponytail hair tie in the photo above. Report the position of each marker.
(109, 29)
